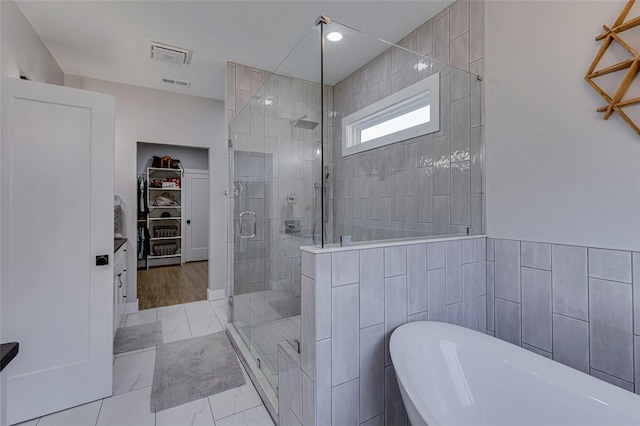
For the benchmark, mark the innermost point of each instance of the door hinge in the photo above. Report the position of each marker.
(231, 300)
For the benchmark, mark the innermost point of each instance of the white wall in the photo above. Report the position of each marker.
(23, 51)
(152, 115)
(556, 172)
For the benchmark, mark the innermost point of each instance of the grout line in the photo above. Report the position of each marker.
(534, 346)
(99, 411)
(137, 352)
(552, 287)
(609, 280)
(534, 267)
(507, 300)
(261, 404)
(520, 278)
(634, 355)
(570, 317)
(589, 313)
(610, 375)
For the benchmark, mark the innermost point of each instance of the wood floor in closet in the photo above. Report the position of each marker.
(172, 285)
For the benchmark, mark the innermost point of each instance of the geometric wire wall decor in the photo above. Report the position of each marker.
(615, 102)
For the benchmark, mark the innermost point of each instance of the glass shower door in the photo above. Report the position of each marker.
(276, 211)
(252, 213)
(277, 193)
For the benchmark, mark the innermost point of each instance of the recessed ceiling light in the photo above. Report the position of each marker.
(334, 36)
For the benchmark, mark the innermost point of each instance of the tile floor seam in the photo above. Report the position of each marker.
(188, 322)
(137, 352)
(99, 411)
(241, 411)
(211, 410)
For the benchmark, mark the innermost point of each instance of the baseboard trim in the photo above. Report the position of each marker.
(215, 294)
(130, 308)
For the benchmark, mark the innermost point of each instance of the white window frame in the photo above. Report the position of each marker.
(418, 95)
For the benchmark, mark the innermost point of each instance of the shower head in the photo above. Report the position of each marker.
(303, 123)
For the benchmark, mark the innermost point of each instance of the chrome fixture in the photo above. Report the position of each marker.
(303, 123)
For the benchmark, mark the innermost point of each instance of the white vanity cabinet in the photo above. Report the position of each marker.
(119, 285)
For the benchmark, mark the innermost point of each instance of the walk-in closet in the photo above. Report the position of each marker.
(172, 224)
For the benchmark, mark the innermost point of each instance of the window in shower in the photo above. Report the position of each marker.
(409, 113)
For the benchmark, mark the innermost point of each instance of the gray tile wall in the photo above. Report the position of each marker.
(367, 294)
(431, 185)
(293, 390)
(576, 305)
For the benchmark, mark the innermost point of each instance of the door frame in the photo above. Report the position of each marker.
(215, 196)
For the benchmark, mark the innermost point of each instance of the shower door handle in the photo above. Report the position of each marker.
(242, 220)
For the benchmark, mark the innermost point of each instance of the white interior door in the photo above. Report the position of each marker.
(56, 204)
(197, 215)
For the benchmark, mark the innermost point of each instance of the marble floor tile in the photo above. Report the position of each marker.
(174, 337)
(198, 309)
(128, 409)
(142, 317)
(233, 401)
(257, 416)
(205, 325)
(194, 413)
(168, 310)
(81, 415)
(174, 323)
(220, 309)
(133, 372)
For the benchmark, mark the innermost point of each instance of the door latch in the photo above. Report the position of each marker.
(102, 259)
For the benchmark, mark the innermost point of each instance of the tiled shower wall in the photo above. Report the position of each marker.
(577, 305)
(271, 160)
(431, 185)
(352, 299)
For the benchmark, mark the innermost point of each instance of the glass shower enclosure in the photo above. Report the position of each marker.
(277, 182)
(297, 180)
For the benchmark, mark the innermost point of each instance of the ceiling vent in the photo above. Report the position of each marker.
(171, 54)
(176, 82)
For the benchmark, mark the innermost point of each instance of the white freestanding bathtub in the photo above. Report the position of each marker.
(450, 375)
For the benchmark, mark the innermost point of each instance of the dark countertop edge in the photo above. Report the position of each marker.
(117, 243)
(8, 352)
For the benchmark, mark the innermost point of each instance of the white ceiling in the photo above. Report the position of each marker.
(109, 40)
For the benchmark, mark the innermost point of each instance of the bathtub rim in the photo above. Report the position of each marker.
(617, 398)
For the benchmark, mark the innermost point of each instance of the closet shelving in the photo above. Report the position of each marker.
(165, 221)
